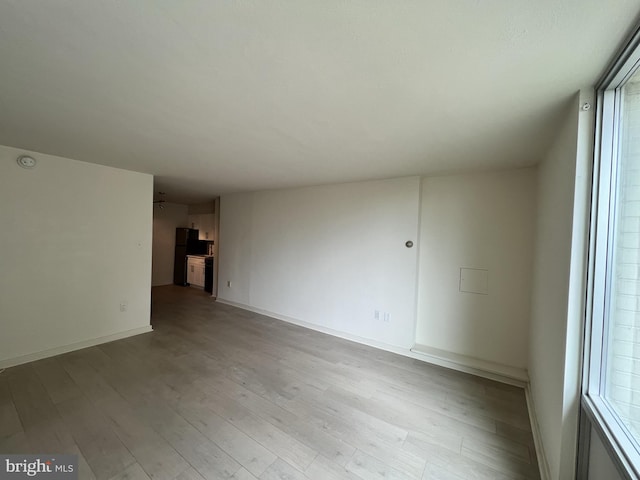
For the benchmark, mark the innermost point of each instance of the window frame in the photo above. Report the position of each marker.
(621, 446)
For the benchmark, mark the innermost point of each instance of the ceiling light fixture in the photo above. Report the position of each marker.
(161, 201)
(25, 161)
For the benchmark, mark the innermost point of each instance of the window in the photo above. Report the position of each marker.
(622, 375)
(612, 368)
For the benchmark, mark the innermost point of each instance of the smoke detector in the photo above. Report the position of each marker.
(25, 161)
(160, 202)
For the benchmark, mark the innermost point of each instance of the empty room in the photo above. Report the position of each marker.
(319, 240)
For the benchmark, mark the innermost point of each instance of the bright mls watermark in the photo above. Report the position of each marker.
(51, 467)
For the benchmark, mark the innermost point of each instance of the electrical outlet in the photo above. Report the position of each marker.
(385, 317)
(123, 306)
(376, 315)
(229, 283)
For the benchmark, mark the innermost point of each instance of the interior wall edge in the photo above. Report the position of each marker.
(543, 464)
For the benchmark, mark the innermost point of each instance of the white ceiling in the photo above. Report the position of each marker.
(229, 95)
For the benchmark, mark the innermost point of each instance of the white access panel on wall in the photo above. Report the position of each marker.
(474, 280)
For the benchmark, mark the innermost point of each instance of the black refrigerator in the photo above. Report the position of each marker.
(187, 243)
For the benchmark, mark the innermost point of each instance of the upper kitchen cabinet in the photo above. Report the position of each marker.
(205, 224)
(202, 216)
(208, 228)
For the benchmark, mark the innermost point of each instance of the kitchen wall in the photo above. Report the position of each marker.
(327, 256)
(558, 287)
(479, 221)
(165, 222)
(202, 208)
(76, 244)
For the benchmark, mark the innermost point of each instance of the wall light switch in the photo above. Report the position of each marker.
(474, 280)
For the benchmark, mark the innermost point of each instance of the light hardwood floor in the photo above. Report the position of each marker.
(217, 392)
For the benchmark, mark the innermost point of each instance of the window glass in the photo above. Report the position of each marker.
(622, 344)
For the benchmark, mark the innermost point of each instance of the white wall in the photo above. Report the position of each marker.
(76, 242)
(482, 221)
(235, 247)
(165, 222)
(559, 286)
(328, 256)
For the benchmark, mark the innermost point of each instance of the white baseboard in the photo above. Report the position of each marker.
(492, 371)
(52, 352)
(537, 435)
(482, 368)
(317, 328)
